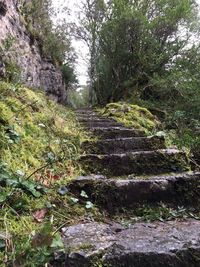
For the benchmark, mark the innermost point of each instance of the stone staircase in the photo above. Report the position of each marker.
(124, 170)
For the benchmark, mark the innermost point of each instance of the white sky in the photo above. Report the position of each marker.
(80, 47)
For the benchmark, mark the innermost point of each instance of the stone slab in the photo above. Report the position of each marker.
(140, 162)
(114, 194)
(169, 244)
(122, 145)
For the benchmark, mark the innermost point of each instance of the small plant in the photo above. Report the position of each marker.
(12, 70)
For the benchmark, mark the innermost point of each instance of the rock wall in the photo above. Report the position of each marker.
(36, 71)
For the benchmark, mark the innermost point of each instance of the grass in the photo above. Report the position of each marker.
(40, 144)
(36, 131)
(162, 212)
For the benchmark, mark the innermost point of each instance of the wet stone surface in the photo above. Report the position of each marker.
(170, 244)
(115, 193)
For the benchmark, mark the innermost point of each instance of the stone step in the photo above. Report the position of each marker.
(141, 162)
(115, 194)
(89, 115)
(115, 132)
(85, 112)
(101, 124)
(158, 244)
(94, 120)
(122, 145)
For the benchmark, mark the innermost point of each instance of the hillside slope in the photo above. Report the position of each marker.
(39, 150)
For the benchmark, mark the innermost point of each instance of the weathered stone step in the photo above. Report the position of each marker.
(122, 145)
(158, 244)
(115, 132)
(142, 162)
(79, 112)
(84, 110)
(94, 120)
(118, 193)
(101, 124)
(91, 114)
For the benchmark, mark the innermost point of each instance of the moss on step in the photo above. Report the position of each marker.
(138, 163)
(131, 116)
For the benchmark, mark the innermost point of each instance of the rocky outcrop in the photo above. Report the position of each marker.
(36, 71)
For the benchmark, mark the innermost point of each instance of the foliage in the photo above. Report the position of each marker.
(132, 116)
(15, 182)
(39, 151)
(68, 74)
(35, 131)
(54, 40)
(90, 20)
(79, 98)
(147, 52)
(12, 70)
(148, 213)
(138, 40)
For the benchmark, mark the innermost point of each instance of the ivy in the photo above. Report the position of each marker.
(14, 181)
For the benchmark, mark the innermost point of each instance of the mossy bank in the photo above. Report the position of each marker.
(132, 116)
(39, 149)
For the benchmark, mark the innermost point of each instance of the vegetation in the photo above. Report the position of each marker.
(39, 150)
(144, 68)
(132, 116)
(79, 98)
(147, 53)
(53, 40)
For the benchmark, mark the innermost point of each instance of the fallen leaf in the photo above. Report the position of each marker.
(39, 215)
(56, 177)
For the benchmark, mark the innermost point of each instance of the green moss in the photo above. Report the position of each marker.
(131, 116)
(5, 112)
(40, 126)
(42, 137)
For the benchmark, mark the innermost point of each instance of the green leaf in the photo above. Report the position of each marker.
(31, 187)
(4, 196)
(57, 241)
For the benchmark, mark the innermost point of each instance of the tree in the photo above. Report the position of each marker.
(139, 40)
(91, 18)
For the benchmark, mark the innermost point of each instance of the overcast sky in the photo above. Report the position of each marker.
(80, 47)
